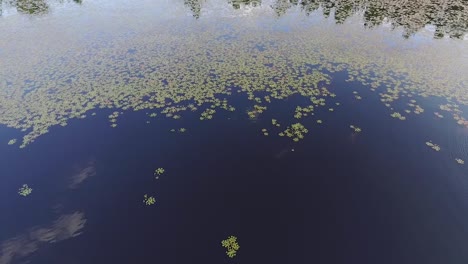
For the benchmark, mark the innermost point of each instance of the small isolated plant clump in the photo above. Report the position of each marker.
(149, 200)
(433, 145)
(24, 190)
(231, 246)
(355, 128)
(159, 171)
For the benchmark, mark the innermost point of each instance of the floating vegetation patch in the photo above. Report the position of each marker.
(356, 95)
(12, 141)
(113, 119)
(159, 171)
(265, 131)
(417, 109)
(319, 121)
(258, 109)
(355, 128)
(148, 200)
(454, 109)
(24, 190)
(180, 130)
(295, 131)
(438, 115)
(231, 245)
(433, 146)
(398, 115)
(303, 111)
(207, 114)
(275, 123)
(460, 161)
(165, 75)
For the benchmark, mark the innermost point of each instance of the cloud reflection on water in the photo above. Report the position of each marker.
(65, 227)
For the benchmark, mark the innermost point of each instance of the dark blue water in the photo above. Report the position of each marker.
(380, 196)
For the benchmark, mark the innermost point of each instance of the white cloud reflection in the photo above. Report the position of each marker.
(88, 171)
(21, 246)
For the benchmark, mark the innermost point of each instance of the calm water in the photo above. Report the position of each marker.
(81, 81)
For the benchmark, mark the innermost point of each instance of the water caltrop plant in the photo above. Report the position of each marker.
(25, 190)
(433, 146)
(231, 246)
(149, 200)
(355, 128)
(159, 171)
(295, 131)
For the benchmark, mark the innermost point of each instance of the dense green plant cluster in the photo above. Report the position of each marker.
(231, 245)
(24, 190)
(175, 70)
(295, 131)
(159, 171)
(148, 200)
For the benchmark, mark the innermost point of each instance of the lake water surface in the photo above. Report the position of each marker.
(313, 131)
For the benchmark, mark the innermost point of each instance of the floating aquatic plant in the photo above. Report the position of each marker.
(149, 200)
(355, 128)
(319, 121)
(258, 109)
(24, 190)
(159, 171)
(207, 114)
(295, 131)
(231, 245)
(12, 141)
(171, 79)
(304, 111)
(275, 122)
(433, 146)
(398, 115)
(182, 130)
(460, 161)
